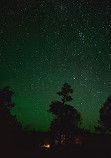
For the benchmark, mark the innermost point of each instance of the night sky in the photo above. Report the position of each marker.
(45, 43)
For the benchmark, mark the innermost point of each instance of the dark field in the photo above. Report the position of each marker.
(91, 148)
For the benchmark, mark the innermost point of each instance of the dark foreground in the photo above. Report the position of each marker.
(57, 152)
(91, 147)
(76, 153)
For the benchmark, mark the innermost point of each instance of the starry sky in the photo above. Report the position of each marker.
(45, 43)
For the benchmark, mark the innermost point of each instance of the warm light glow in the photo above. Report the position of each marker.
(46, 145)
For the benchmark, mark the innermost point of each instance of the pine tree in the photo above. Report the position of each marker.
(67, 118)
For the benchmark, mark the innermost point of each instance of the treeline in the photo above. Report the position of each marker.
(66, 123)
(67, 119)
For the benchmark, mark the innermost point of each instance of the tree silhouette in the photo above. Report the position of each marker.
(9, 126)
(8, 122)
(105, 117)
(66, 90)
(67, 118)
